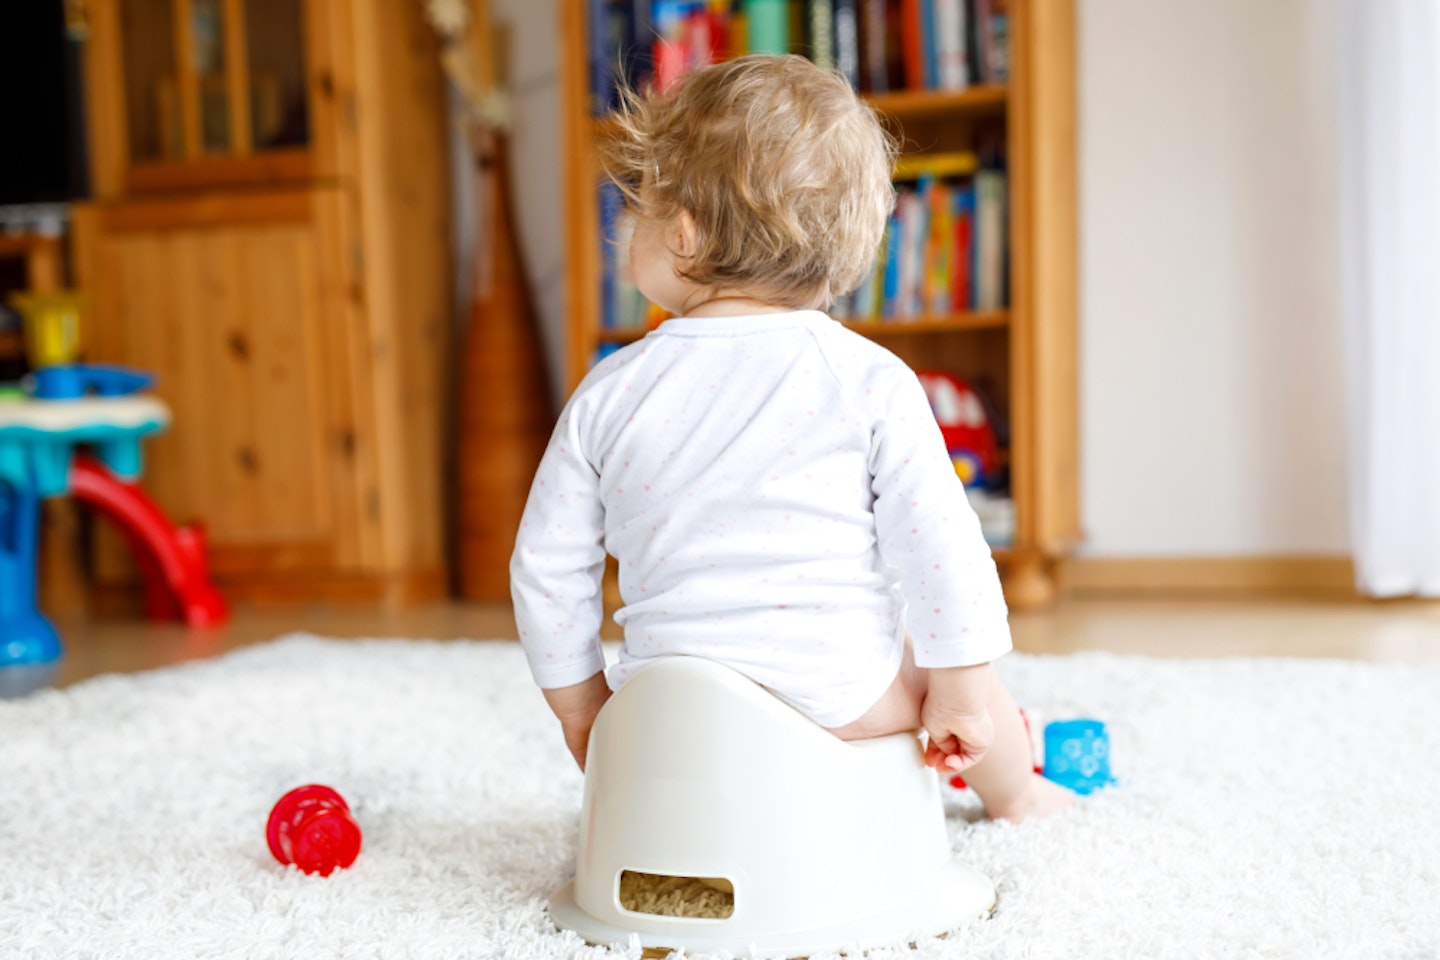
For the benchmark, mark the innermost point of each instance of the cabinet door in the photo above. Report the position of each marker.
(237, 304)
(200, 93)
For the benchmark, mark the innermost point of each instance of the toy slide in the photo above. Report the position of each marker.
(177, 581)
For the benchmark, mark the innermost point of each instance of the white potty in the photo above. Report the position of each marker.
(695, 771)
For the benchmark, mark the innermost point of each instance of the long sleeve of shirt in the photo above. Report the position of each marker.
(556, 569)
(929, 534)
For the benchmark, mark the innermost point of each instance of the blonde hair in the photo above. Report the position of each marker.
(785, 170)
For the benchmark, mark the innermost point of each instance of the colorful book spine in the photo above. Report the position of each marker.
(940, 251)
(612, 206)
(768, 26)
(874, 41)
(952, 68)
(821, 33)
(847, 40)
(964, 296)
(640, 66)
(980, 17)
(609, 40)
(999, 29)
(890, 282)
(928, 50)
(990, 239)
(912, 48)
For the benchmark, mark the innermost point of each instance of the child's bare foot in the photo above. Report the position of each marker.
(1042, 799)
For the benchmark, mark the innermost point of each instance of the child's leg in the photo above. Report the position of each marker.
(1004, 778)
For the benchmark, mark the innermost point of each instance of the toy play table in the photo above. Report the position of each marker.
(39, 438)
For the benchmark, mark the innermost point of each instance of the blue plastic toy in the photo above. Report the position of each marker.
(38, 438)
(1077, 755)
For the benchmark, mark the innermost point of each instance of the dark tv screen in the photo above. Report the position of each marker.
(41, 142)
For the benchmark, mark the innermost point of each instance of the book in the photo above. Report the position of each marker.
(612, 206)
(890, 279)
(874, 76)
(990, 239)
(820, 24)
(963, 297)
(940, 252)
(952, 66)
(912, 48)
(669, 56)
(847, 41)
(609, 42)
(914, 229)
(768, 26)
(999, 41)
(640, 67)
(928, 64)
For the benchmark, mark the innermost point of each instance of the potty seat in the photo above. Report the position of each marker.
(696, 772)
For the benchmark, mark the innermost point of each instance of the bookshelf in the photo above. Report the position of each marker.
(1022, 356)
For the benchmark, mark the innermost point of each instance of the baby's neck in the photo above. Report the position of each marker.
(736, 305)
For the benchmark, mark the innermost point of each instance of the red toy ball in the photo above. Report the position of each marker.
(311, 827)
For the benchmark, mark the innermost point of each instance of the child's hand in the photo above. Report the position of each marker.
(576, 707)
(956, 716)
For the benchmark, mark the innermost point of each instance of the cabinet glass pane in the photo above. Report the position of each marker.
(275, 40)
(207, 33)
(152, 103)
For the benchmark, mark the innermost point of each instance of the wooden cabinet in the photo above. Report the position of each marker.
(1024, 356)
(270, 236)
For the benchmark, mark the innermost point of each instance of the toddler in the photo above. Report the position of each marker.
(774, 486)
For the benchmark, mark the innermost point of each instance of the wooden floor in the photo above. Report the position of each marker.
(1395, 632)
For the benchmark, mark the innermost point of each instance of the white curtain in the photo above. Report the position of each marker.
(1390, 229)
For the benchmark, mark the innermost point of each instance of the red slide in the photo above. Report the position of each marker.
(177, 578)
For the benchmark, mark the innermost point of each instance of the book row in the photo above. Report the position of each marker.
(880, 45)
(945, 252)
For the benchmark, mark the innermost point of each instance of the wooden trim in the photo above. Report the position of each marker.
(973, 320)
(978, 320)
(268, 168)
(582, 223)
(915, 104)
(1019, 147)
(220, 210)
(187, 82)
(1208, 576)
(105, 111)
(241, 560)
(43, 273)
(405, 589)
(237, 77)
(1054, 281)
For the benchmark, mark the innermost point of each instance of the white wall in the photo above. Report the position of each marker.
(1211, 373)
(1212, 410)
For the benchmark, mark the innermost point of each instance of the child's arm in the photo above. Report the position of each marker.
(956, 715)
(555, 575)
(576, 707)
(931, 538)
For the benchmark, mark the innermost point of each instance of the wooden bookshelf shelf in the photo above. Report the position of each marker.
(915, 104)
(906, 104)
(1022, 357)
(977, 320)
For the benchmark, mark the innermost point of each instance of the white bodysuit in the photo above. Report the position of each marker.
(776, 492)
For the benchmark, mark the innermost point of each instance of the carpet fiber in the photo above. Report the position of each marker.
(1267, 808)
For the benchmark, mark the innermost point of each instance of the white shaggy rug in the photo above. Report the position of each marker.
(1267, 809)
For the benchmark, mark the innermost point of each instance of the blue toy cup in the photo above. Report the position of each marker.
(1077, 755)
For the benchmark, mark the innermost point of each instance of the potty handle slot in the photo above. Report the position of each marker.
(663, 895)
